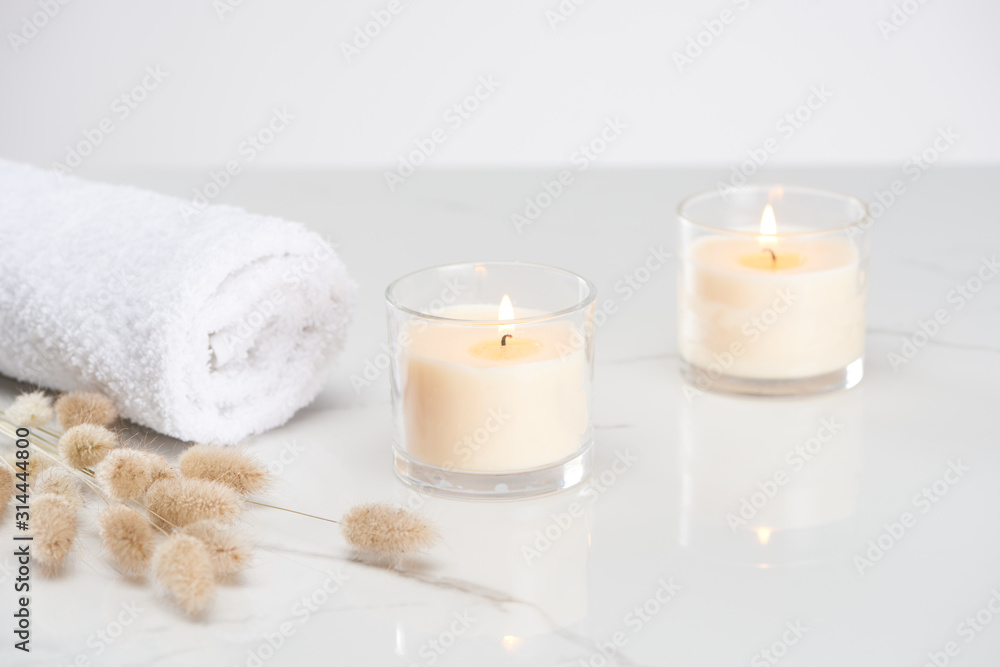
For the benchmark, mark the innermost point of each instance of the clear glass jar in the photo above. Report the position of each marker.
(492, 366)
(771, 290)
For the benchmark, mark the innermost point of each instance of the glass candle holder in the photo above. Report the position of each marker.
(771, 290)
(492, 366)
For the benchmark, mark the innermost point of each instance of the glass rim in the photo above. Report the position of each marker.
(588, 299)
(800, 189)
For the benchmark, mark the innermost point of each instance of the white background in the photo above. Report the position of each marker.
(557, 84)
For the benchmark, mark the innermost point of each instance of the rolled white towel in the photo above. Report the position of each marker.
(209, 328)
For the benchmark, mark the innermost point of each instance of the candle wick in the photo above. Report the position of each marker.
(503, 339)
(774, 258)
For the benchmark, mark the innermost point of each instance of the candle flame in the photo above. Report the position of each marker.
(763, 535)
(506, 313)
(768, 226)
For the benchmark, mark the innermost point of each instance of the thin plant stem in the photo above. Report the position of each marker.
(39, 444)
(90, 473)
(152, 523)
(9, 429)
(285, 509)
(48, 432)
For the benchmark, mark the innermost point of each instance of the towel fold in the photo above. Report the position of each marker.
(207, 327)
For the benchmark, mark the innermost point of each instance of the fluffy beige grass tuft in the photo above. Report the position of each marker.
(183, 567)
(126, 474)
(37, 465)
(386, 530)
(61, 482)
(53, 521)
(84, 407)
(233, 467)
(180, 501)
(230, 550)
(30, 409)
(86, 445)
(7, 484)
(128, 537)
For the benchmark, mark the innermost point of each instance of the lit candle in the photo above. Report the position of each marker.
(494, 397)
(766, 307)
(510, 348)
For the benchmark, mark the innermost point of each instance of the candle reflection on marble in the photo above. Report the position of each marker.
(769, 481)
(518, 578)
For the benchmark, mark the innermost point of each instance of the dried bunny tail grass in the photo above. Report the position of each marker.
(84, 407)
(30, 409)
(7, 484)
(53, 519)
(39, 464)
(233, 467)
(230, 550)
(128, 536)
(162, 469)
(86, 445)
(183, 567)
(60, 482)
(126, 474)
(386, 530)
(180, 501)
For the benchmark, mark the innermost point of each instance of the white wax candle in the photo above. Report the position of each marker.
(796, 313)
(470, 405)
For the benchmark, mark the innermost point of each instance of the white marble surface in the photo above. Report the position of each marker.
(660, 518)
